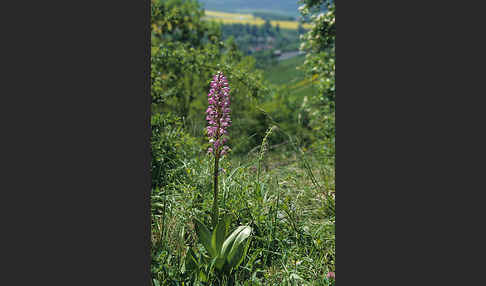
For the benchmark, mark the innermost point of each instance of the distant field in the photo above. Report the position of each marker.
(285, 7)
(237, 18)
(285, 72)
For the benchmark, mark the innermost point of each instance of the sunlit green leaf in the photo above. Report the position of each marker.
(239, 248)
(204, 237)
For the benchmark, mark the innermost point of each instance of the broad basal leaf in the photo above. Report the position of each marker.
(205, 237)
(239, 248)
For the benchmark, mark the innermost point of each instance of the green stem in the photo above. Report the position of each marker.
(215, 199)
(217, 153)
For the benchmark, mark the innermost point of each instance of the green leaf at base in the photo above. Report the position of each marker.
(205, 237)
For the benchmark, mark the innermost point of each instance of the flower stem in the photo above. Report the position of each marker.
(215, 213)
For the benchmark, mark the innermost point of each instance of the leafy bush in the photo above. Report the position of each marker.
(319, 43)
(170, 148)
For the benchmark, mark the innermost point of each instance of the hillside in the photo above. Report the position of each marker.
(284, 7)
(285, 72)
(246, 18)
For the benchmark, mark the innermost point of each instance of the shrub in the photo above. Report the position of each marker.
(170, 147)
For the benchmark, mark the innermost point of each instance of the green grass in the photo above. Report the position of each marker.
(307, 90)
(285, 72)
(292, 219)
(284, 194)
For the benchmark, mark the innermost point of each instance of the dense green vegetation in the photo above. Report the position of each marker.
(284, 72)
(273, 16)
(265, 43)
(278, 179)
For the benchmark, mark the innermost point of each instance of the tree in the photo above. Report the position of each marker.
(267, 28)
(186, 52)
(300, 29)
(319, 44)
(254, 30)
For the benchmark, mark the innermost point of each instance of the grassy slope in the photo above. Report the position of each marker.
(292, 219)
(285, 73)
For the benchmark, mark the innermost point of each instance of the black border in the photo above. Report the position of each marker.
(74, 199)
(75, 191)
(410, 143)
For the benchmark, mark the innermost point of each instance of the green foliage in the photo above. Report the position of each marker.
(285, 72)
(261, 41)
(181, 67)
(292, 222)
(275, 185)
(266, 15)
(170, 146)
(319, 43)
(226, 252)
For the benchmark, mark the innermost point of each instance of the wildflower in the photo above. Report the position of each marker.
(218, 117)
(218, 114)
(331, 275)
